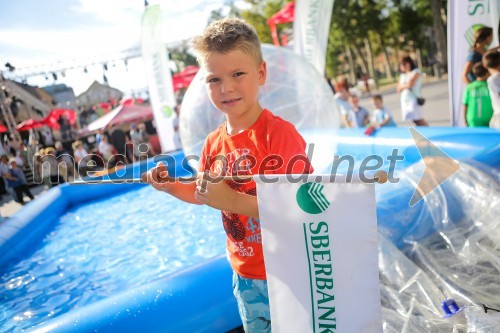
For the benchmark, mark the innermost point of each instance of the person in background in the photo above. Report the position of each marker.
(358, 116)
(381, 116)
(65, 127)
(118, 140)
(42, 170)
(477, 109)
(4, 170)
(99, 136)
(107, 151)
(17, 181)
(482, 38)
(410, 86)
(342, 101)
(81, 157)
(65, 160)
(491, 61)
(56, 175)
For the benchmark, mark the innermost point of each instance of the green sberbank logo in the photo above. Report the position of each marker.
(469, 33)
(311, 199)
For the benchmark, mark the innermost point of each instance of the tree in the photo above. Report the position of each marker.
(439, 32)
(258, 15)
(181, 56)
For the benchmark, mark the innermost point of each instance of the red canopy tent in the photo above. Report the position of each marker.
(184, 78)
(130, 101)
(123, 114)
(132, 114)
(52, 118)
(284, 15)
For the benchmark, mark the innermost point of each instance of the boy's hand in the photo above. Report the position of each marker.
(158, 178)
(214, 192)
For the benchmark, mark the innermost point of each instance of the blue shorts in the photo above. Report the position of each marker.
(253, 304)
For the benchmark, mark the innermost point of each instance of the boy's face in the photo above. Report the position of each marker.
(354, 100)
(377, 103)
(232, 81)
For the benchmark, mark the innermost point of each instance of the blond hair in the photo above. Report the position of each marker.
(228, 34)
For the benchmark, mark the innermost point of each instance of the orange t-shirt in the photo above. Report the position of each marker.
(270, 146)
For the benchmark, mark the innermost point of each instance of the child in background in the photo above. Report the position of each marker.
(476, 102)
(342, 100)
(358, 116)
(381, 116)
(491, 61)
(230, 56)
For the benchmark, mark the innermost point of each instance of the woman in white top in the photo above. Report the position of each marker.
(410, 85)
(106, 150)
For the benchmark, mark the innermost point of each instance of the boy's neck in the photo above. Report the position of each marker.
(239, 123)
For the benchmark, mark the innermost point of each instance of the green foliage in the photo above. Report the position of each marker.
(258, 15)
(181, 56)
(399, 24)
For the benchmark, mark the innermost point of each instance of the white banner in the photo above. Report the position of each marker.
(310, 30)
(161, 90)
(464, 18)
(320, 248)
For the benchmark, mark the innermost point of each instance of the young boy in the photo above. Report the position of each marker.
(250, 140)
(358, 116)
(476, 102)
(491, 61)
(381, 116)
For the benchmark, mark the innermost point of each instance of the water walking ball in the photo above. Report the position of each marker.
(294, 90)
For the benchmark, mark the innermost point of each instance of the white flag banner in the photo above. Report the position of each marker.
(464, 19)
(310, 30)
(320, 245)
(161, 90)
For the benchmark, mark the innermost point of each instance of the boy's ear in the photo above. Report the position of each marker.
(262, 73)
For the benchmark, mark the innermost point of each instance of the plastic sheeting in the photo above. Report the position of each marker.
(294, 90)
(451, 252)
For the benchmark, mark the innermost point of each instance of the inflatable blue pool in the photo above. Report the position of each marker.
(181, 294)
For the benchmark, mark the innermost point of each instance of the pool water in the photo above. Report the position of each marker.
(105, 247)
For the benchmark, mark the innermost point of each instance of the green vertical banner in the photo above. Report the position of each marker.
(161, 90)
(310, 30)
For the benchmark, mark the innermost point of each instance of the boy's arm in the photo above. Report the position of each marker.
(386, 121)
(217, 194)
(160, 180)
(345, 120)
(465, 114)
(465, 102)
(366, 120)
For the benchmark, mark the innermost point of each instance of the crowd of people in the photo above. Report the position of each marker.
(51, 162)
(13, 158)
(481, 98)
(353, 115)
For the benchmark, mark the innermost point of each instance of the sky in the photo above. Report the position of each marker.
(40, 36)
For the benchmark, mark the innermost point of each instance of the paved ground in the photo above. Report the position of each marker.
(436, 112)
(8, 206)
